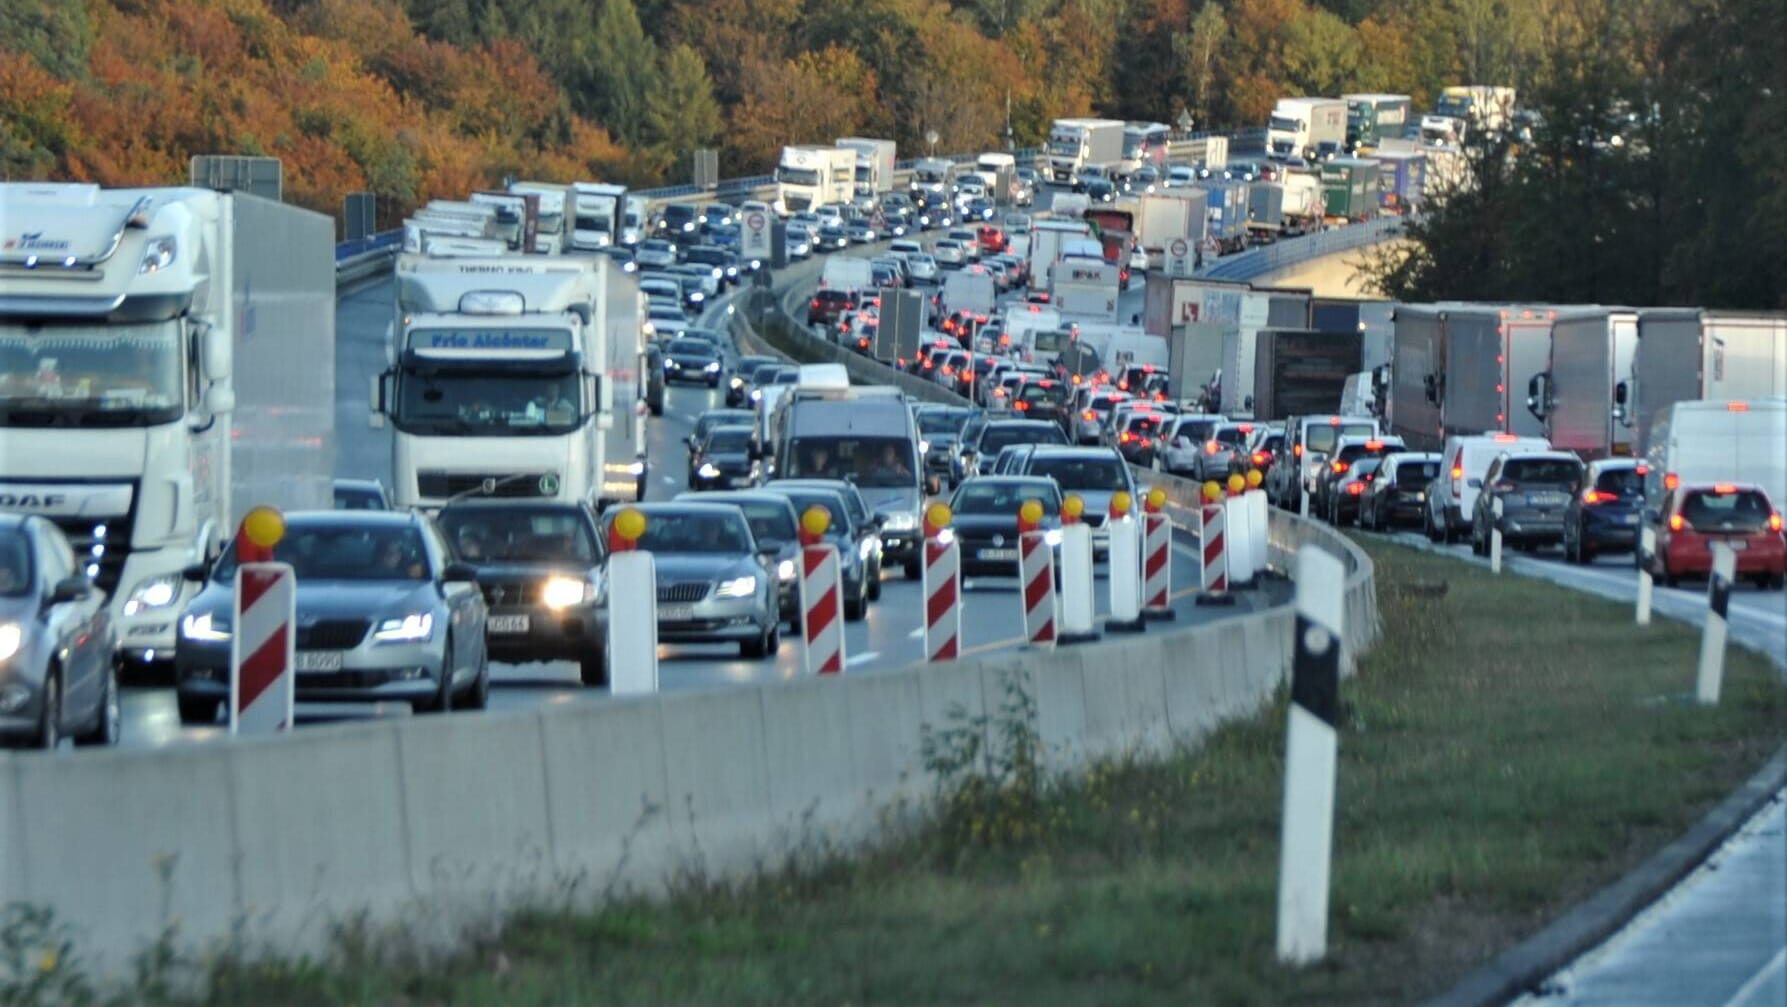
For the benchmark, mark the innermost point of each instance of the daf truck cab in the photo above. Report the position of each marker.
(809, 176)
(514, 377)
(166, 363)
(596, 215)
(1078, 144)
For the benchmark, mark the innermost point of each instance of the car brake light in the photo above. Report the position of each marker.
(1374, 445)
(1774, 522)
(1259, 457)
(1676, 522)
(1089, 416)
(1334, 421)
(1124, 437)
(1643, 470)
(1458, 471)
(1505, 438)
(1354, 489)
(1298, 451)
(1724, 489)
(1123, 386)
(1738, 407)
(1211, 447)
(1671, 481)
(1339, 467)
(1595, 497)
(1022, 407)
(815, 302)
(1246, 428)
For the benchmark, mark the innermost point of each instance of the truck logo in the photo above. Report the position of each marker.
(32, 501)
(549, 485)
(34, 241)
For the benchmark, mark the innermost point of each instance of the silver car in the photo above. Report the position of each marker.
(714, 586)
(383, 614)
(56, 671)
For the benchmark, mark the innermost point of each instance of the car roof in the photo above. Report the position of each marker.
(513, 504)
(731, 496)
(352, 518)
(1556, 456)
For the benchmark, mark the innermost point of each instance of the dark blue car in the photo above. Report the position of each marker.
(1605, 510)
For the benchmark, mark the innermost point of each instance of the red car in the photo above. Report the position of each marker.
(1692, 518)
(992, 241)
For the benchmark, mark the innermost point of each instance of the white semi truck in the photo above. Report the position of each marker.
(1078, 144)
(1462, 112)
(810, 175)
(1306, 127)
(167, 361)
(514, 376)
(549, 234)
(596, 215)
(874, 171)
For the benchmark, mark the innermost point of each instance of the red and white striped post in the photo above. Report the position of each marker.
(263, 648)
(821, 595)
(942, 586)
(1157, 557)
(1213, 540)
(1036, 569)
(1078, 606)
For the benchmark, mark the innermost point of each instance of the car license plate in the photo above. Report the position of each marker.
(1737, 544)
(998, 554)
(676, 613)
(1628, 519)
(319, 660)
(509, 623)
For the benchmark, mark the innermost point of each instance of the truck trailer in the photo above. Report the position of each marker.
(874, 172)
(1309, 128)
(1575, 397)
(1374, 118)
(1350, 188)
(1078, 144)
(595, 212)
(1303, 372)
(1462, 369)
(167, 361)
(1685, 354)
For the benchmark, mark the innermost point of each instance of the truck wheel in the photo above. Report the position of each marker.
(196, 710)
(592, 668)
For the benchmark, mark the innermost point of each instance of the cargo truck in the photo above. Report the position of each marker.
(933, 176)
(1373, 118)
(517, 217)
(1144, 143)
(874, 173)
(811, 175)
(1350, 189)
(1265, 210)
(1085, 290)
(1162, 217)
(1227, 214)
(1309, 128)
(1685, 354)
(596, 215)
(1046, 238)
(514, 376)
(900, 328)
(1078, 144)
(1303, 372)
(1304, 202)
(1256, 311)
(1460, 113)
(999, 171)
(1402, 180)
(1574, 398)
(167, 361)
(549, 232)
(1462, 369)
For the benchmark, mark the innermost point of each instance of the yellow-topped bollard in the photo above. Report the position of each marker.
(1254, 478)
(1072, 508)
(1156, 500)
(937, 517)
(1030, 515)
(1212, 491)
(814, 523)
(1120, 504)
(261, 530)
(1237, 483)
(627, 530)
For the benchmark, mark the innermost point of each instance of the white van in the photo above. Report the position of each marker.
(1463, 462)
(1739, 441)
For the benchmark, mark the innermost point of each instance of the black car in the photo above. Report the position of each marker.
(1399, 493)
(716, 215)
(654, 379)
(738, 387)
(542, 569)
(724, 460)
(1605, 510)
(939, 430)
(982, 446)
(986, 520)
(712, 418)
(1047, 399)
(865, 524)
(680, 222)
(776, 527)
(1347, 451)
(843, 534)
(687, 359)
(719, 258)
(56, 642)
(832, 237)
(1100, 190)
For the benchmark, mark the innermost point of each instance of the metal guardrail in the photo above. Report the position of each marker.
(364, 257)
(1257, 262)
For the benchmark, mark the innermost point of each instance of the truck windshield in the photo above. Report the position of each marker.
(472, 401)
(797, 176)
(1064, 146)
(866, 461)
(91, 375)
(595, 221)
(1285, 124)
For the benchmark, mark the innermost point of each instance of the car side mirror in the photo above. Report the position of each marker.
(195, 573)
(69, 589)
(690, 441)
(459, 573)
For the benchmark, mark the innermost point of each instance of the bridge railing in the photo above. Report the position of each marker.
(1256, 262)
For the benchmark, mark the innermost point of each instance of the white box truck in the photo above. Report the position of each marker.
(1719, 441)
(1077, 144)
(1689, 353)
(167, 361)
(1462, 112)
(1306, 127)
(811, 175)
(1085, 289)
(874, 171)
(596, 215)
(1162, 217)
(549, 236)
(1463, 369)
(514, 376)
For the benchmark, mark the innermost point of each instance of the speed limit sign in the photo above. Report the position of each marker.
(1179, 247)
(755, 221)
(1179, 259)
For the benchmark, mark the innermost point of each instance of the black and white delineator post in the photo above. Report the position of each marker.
(1712, 638)
(1647, 554)
(1306, 842)
(1495, 536)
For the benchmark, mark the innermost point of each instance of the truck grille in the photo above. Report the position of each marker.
(435, 484)
(682, 593)
(333, 634)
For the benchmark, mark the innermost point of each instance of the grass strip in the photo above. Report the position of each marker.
(1508, 747)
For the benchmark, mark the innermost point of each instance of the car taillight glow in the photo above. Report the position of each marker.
(1671, 481)
(1506, 438)
(1211, 447)
(1724, 489)
(1339, 467)
(1354, 489)
(1298, 451)
(1124, 437)
(1596, 496)
(1374, 445)
(1676, 522)
(1022, 407)
(1738, 407)
(1774, 522)
(1259, 457)
(1089, 416)
(1458, 471)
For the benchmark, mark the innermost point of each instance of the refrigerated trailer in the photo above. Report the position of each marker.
(1462, 369)
(1685, 354)
(1575, 397)
(1303, 372)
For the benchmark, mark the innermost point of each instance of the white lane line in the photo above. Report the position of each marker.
(668, 481)
(862, 658)
(916, 634)
(1749, 989)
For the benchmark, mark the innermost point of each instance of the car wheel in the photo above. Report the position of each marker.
(1447, 535)
(478, 696)
(442, 700)
(109, 717)
(197, 710)
(875, 582)
(1777, 581)
(49, 728)
(1585, 554)
(657, 409)
(592, 668)
(914, 570)
(857, 607)
(1666, 578)
(1427, 525)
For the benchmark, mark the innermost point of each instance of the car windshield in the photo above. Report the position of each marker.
(1036, 393)
(1625, 481)
(343, 552)
(1710, 511)
(15, 564)
(1074, 473)
(726, 418)
(980, 497)
(996, 437)
(472, 399)
(883, 462)
(1321, 437)
(727, 441)
(1542, 470)
(1138, 424)
(692, 347)
(841, 519)
(1235, 436)
(491, 535)
(1412, 475)
(771, 523)
(687, 532)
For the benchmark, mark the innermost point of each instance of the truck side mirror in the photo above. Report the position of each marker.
(1622, 395)
(1538, 395)
(220, 400)
(214, 353)
(1431, 387)
(378, 398)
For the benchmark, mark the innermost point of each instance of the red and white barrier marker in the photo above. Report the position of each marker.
(1036, 572)
(1123, 574)
(263, 649)
(1213, 542)
(1157, 557)
(632, 609)
(1078, 609)
(942, 586)
(1712, 636)
(1311, 751)
(821, 595)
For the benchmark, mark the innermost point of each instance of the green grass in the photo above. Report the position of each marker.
(1506, 749)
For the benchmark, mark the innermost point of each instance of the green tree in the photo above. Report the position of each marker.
(57, 32)
(1199, 50)
(622, 71)
(681, 113)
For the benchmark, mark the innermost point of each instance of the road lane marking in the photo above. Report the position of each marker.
(1764, 975)
(860, 658)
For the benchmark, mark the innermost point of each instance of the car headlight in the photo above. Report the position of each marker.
(756, 263)
(756, 395)
(785, 570)
(649, 329)
(866, 548)
(697, 296)
(713, 367)
(11, 638)
(563, 592)
(924, 447)
(156, 592)
(670, 364)
(1052, 537)
(708, 471)
(419, 626)
(736, 382)
(204, 628)
(741, 587)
